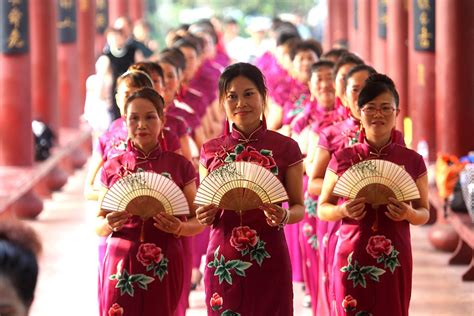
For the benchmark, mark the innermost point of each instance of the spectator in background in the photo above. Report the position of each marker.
(125, 25)
(142, 33)
(19, 248)
(118, 55)
(234, 42)
(98, 98)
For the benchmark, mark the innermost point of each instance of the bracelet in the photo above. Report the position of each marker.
(285, 219)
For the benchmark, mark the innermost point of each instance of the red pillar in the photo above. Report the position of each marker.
(353, 25)
(86, 33)
(379, 34)
(118, 8)
(68, 65)
(454, 76)
(16, 136)
(337, 18)
(68, 61)
(137, 9)
(44, 70)
(44, 76)
(397, 53)
(364, 37)
(422, 75)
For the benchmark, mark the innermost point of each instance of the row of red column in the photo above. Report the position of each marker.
(428, 52)
(47, 53)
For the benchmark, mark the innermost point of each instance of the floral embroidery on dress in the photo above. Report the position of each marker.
(126, 281)
(381, 248)
(358, 273)
(167, 175)
(151, 256)
(263, 158)
(224, 269)
(246, 240)
(349, 303)
(311, 206)
(312, 239)
(115, 310)
(216, 302)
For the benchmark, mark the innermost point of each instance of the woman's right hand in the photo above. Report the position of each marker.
(205, 214)
(116, 220)
(354, 209)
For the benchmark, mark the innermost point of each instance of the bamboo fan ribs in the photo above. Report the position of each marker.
(240, 186)
(376, 180)
(145, 194)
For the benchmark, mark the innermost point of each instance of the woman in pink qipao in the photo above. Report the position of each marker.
(331, 139)
(248, 270)
(142, 272)
(372, 269)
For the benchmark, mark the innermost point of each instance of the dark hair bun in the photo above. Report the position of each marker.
(380, 78)
(375, 85)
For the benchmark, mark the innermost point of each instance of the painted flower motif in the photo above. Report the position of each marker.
(115, 310)
(239, 152)
(260, 158)
(325, 239)
(307, 229)
(349, 303)
(216, 302)
(378, 245)
(149, 254)
(243, 237)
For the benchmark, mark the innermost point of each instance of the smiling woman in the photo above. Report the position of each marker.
(144, 258)
(250, 275)
(373, 259)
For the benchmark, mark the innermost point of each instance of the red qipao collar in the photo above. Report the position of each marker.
(139, 154)
(254, 136)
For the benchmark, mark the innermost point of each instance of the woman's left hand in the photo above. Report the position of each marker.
(168, 223)
(398, 211)
(275, 214)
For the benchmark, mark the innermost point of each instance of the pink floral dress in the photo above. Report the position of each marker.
(334, 138)
(317, 119)
(248, 269)
(372, 271)
(143, 278)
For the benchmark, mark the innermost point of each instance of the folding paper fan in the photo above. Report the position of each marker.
(466, 179)
(240, 186)
(377, 180)
(145, 194)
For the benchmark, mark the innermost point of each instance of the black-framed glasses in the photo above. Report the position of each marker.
(371, 110)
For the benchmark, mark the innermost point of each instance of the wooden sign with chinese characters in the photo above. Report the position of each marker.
(13, 26)
(101, 16)
(424, 23)
(382, 18)
(67, 21)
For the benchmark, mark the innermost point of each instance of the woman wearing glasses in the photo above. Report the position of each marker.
(372, 268)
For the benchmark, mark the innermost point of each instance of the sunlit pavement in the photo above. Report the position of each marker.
(68, 275)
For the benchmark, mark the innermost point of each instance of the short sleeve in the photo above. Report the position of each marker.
(323, 141)
(105, 179)
(182, 128)
(293, 153)
(419, 167)
(189, 173)
(100, 146)
(203, 158)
